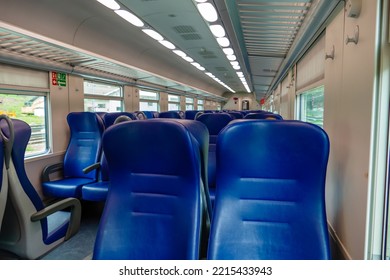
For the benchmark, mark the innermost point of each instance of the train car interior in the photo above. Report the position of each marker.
(288, 77)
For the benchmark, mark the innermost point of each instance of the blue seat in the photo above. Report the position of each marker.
(263, 115)
(5, 153)
(214, 122)
(236, 115)
(154, 207)
(30, 228)
(270, 200)
(171, 115)
(190, 114)
(109, 118)
(84, 149)
(97, 191)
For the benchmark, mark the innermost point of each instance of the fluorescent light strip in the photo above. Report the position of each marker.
(167, 44)
(130, 17)
(208, 12)
(155, 35)
(111, 4)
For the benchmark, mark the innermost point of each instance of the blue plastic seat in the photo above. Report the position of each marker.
(190, 114)
(84, 149)
(171, 115)
(109, 118)
(270, 196)
(154, 207)
(97, 191)
(30, 228)
(214, 122)
(263, 115)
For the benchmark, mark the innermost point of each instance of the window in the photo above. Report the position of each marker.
(173, 102)
(311, 106)
(30, 107)
(189, 103)
(101, 97)
(24, 96)
(200, 104)
(149, 101)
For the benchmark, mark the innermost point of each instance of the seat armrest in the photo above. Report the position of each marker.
(52, 168)
(91, 167)
(75, 214)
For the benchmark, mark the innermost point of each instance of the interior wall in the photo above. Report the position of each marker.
(349, 89)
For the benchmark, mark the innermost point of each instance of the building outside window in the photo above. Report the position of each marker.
(200, 104)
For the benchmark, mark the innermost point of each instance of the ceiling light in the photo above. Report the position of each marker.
(200, 1)
(208, 12)
(130, 17)
(167, 44)
(228, 51)
(189, 59)
(234, 63)
(223, 41)
(240, 74)
(111, 4)
(155, 35)
(180, 53)
(196, 64)
(217, 30)
(231, 57)
(236, 67)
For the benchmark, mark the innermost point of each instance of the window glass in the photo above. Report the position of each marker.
(149, 101)
(101, 97)
(94, 88)
(312, 106)
(173, 98)
(102, 105)
(30, 107)
(200, 104)
(173, 106)
(173, 102)
(148, 95)
(189, 103)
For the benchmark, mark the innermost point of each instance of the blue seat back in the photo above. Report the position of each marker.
(109, 118)
(190, 114)
(84, 148)
(153, 209)
(270, 196)
(263, 115)
(170, 115)
(214, 122)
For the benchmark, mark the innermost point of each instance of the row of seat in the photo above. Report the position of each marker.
(29, 228)
(88, 177)
(269, 201)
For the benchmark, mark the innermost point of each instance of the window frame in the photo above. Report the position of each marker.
(91, 96)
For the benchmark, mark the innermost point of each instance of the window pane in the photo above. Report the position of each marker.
(189, 107)
(102, 105)
(200, 107)
(189, 100)
(94, 88)
(148, 106)
(173, 106)
(148, 95)
(312, 106)
(32, 110)
(200, 102)
(173, 98)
